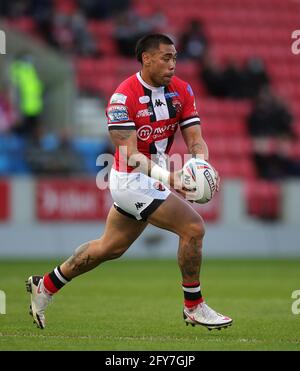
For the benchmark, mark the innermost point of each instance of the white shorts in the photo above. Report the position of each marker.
(135, 194)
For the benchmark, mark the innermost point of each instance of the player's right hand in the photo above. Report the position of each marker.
(177, 184)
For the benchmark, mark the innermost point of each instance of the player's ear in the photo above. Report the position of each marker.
(146, 59)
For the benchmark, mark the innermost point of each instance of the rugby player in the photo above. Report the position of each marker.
(143, 115)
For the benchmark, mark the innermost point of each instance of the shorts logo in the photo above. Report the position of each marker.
(144, 132)
(159, 187)
(117, 114)
(144, 99)
(139, 205)
(118, 98)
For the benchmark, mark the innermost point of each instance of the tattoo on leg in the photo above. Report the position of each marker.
(189, 259)
(78, 261)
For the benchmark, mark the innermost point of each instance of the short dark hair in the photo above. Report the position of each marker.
(151, 41)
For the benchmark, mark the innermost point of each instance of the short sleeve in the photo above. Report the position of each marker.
(189, 116)
(118, 113)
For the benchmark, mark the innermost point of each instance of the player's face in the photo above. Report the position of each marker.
(162, 64)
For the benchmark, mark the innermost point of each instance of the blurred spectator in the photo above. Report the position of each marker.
(193, 43)
(70, 34)
(14, 9)
(212, 76)
(270, 125)
(130, 26)
(27, 95)
(50, 155)
(119, 6)
(95, 9)
(269, 117)
(255, 77)
(156, 21)
(233, 81)
(129, 29)
(4, 8)
(42, 12)
(83, 41)
(227, 82)
(62, 34)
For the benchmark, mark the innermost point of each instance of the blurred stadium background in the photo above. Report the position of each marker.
(237, 56)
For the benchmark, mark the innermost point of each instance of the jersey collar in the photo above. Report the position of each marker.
(152, 88)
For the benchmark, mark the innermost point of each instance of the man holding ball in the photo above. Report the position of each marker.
(143, 115)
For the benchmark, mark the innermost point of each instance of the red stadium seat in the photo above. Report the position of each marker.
(242, 167)
(101, 29)
(263, 199)
(23, 24)
(65, 6)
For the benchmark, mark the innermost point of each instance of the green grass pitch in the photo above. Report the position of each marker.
(137, 305)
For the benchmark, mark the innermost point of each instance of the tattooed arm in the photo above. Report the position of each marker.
(197, 146)
(126, 143)
(195, 142)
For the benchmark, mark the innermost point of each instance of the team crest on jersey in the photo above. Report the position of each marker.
(144, 99)
(117, 114)
(118, 98)
(177, 105)
(159, 186)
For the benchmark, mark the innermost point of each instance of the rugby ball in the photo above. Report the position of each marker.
(200, 179)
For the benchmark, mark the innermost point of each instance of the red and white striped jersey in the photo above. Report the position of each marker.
(154, 113)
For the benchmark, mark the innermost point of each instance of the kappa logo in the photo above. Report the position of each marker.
(139, 205)
(159, 103)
